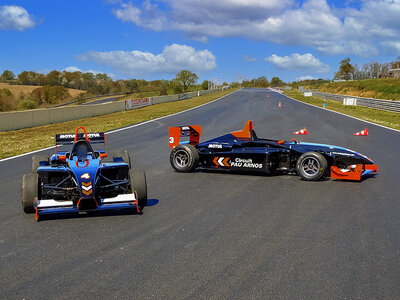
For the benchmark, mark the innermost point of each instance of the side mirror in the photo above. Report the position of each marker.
(103, 155)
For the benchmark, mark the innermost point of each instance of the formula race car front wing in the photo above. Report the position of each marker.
(353, 172)
(51, 206)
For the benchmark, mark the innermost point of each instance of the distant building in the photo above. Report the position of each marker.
(394, 72)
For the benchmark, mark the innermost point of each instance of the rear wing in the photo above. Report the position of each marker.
(66, 139)
(184, 135)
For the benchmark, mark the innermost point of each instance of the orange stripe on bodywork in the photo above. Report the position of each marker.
(86, 184)
(225, 162)
(215, 161)
(87, 193)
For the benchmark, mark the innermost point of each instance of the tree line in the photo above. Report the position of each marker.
(371, 70)
(53, 87)
(263, 82)
(101, 83)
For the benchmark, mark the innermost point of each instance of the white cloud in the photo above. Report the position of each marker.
(392, 46)
(249, 58)
(307, 77)
(128, 13)
(298, 62)
(76, 69)
(14, 17)
(73, 69)
(313, 23)
(173, 59)
(149, 16)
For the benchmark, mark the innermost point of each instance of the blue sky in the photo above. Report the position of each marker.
(226, 40)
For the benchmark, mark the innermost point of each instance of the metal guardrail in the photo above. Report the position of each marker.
(388, 105)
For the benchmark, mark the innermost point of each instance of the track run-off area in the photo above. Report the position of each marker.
(215, 235)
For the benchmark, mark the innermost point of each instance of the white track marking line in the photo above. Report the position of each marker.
(126, 128)
(28, 153)
(383, 126)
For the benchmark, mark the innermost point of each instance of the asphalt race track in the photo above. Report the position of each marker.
(102, 101)
(212, 235)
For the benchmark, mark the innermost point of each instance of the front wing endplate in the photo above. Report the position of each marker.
(353, 172)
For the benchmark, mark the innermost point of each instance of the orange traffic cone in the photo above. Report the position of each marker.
(280, 104)
(303, 131)
(362, 132)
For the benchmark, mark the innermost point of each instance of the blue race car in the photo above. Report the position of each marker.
(82, 179)
(243, 151)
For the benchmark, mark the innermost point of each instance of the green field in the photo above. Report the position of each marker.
(30, 139)
(389, 119)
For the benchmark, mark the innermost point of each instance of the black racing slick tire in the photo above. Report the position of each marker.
(29, 192)
(123, 154)
(139, 185)
(184, 158)
(36, 159)
(311, 166)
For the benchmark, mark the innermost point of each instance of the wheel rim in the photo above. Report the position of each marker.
(310, 166)
(181, 158)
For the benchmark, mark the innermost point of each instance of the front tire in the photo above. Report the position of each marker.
(139, 185)
(36, 159)
(29, 192)
(311, 166)
(184, 158)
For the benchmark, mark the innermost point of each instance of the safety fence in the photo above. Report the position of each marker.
(37, 117)
(382, 104)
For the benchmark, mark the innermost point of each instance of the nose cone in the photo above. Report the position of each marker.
(340, 155)
(350, 157)
(365, 159)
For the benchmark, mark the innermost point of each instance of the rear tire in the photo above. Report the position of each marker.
(311, 166)
(139, 185)
(36, 159)
(184, 158)
(29, 192)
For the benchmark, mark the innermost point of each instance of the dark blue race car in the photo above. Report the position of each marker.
(244, 151)
(82, 179)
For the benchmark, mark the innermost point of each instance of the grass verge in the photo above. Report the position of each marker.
(386, 118)
(30, 139)
(379, 88)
